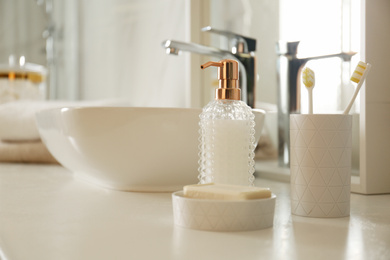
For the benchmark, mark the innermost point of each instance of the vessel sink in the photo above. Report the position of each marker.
(127, 148)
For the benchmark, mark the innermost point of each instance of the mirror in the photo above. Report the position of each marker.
(310, 23)
(112, 49)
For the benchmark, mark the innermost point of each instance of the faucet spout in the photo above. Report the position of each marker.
(345, 56)
(175, 47)
(289, 66)
(243, 52)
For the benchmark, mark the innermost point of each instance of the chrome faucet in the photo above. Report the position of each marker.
(289, 67)
(243, 50)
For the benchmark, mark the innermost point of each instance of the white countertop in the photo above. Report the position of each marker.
(46, 213)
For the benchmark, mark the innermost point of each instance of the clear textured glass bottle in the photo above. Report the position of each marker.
(227, 143)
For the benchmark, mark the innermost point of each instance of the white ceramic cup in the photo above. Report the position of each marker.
(320, 164)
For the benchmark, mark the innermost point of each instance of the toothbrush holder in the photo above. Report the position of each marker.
(320, 164)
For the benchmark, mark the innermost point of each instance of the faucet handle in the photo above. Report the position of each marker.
(287, 48)
(242, 44)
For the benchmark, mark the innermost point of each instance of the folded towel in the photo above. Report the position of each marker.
(17, 119)
(25, 152)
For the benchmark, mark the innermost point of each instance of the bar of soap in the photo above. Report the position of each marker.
(225, 192)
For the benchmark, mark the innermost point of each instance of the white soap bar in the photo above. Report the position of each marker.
(225, 192)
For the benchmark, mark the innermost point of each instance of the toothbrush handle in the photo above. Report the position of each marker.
(348, 108)
(310, 92)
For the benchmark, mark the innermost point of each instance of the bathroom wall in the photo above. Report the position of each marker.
(100, 49)
(22, 24)
(111, 49)
(121, 53)
(118, 51)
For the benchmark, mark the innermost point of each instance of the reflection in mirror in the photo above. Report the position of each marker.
(112, 49)
(22, 50)
(100, 50)
(22, 24)
(326, 27)
(322, 27)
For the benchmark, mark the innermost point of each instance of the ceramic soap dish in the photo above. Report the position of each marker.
(223, 215)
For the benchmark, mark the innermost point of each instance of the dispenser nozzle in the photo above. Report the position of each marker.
(211, 63)
(228, 79)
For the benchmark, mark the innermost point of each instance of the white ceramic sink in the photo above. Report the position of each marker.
(127, 148)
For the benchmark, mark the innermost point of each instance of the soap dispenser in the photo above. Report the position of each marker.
(227, 142)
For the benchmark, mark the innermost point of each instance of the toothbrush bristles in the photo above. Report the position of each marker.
(359, 71)
(358, 76)
(308, 77)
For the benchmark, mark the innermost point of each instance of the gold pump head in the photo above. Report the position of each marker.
(228, 79)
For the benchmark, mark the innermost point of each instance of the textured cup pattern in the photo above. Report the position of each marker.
(320, 164)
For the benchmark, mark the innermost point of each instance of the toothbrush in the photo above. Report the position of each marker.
(358, 76)
(308, 78)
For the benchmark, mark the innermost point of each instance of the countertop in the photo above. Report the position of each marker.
(47, 213)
